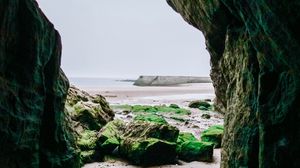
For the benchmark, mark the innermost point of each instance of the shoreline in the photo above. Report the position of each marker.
(159, 95)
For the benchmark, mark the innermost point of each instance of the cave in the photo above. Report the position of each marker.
(254, 49)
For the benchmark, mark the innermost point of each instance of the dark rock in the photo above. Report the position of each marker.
(254, 48)
(205, 116)
(199, 104)
(147, 143)
(33, 129)
(174, 106)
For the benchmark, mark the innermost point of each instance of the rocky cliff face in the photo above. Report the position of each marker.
(254, 47)
(32, 91)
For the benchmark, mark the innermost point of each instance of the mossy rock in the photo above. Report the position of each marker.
(213, 134)
(196, 151)
(109, 136)
(185, 136)
(150, 118)
(87, 140)
(199, 103)
(174, 106)
(90, 156)
(140, 129)
(150, 151)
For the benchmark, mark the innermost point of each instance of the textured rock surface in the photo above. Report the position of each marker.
(254, 47)
(86, 115)
(32, 91)
(87, 111)
(148, 143)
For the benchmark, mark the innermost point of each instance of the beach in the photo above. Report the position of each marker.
(181, 95)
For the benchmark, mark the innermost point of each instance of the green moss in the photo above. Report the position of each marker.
(109, 135)
(185, 136)
(196, 150)
(87, 156)
(87, 140)
(213, 134)
(150, 151)
(200, 104)
(151, 118)
(154, 109)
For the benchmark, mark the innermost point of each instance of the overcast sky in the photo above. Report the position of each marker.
(126, 38)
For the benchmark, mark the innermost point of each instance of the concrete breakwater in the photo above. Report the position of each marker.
(169, 80)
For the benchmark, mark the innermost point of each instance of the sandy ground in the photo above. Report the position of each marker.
(180, 95)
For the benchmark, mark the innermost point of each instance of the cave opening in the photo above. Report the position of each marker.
(105, 51)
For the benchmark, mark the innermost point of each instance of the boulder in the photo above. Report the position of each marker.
(213, 134)
(196, 151)
(109, 136)
(199, 104)
(148, 143)
(189, 148)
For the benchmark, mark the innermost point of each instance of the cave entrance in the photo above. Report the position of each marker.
(110, 44)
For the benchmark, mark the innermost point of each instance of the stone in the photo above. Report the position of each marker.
(189, 148)
(174, 106)
(91, 112)
(87, 140)
(148, 143)
(196, 151)
(199, 104)
(150, 118)
(254, 48)
(205, 116)
(213, 134)
(33, 127)
(109, 136)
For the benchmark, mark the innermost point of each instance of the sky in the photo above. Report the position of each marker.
(126, 38)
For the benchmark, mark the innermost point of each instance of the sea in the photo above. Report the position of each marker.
(85, 82)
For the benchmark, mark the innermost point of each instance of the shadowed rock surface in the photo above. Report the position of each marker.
(32, 91)
(169, 80)
(254, 48)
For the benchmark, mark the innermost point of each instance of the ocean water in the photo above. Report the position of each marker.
(100, 82)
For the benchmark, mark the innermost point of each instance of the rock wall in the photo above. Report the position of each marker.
(254, 48)
(169, 80)
(32, 91)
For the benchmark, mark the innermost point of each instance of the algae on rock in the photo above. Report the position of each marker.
(254, 48)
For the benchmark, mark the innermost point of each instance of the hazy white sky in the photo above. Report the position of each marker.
(126, 38)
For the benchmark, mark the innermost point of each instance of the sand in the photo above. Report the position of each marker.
(180, 95)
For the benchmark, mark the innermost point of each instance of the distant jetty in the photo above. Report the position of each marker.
(169, 80)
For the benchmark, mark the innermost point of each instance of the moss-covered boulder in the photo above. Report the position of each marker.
(90, 112)
(148, 143)
(149, 151)
(199, 104)
(87, 143)
(109, 136)
(150, 118)
(140, 129)
(87, 140)
(174, 106)
(213, 134)
(196, 151)
(189, 148)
